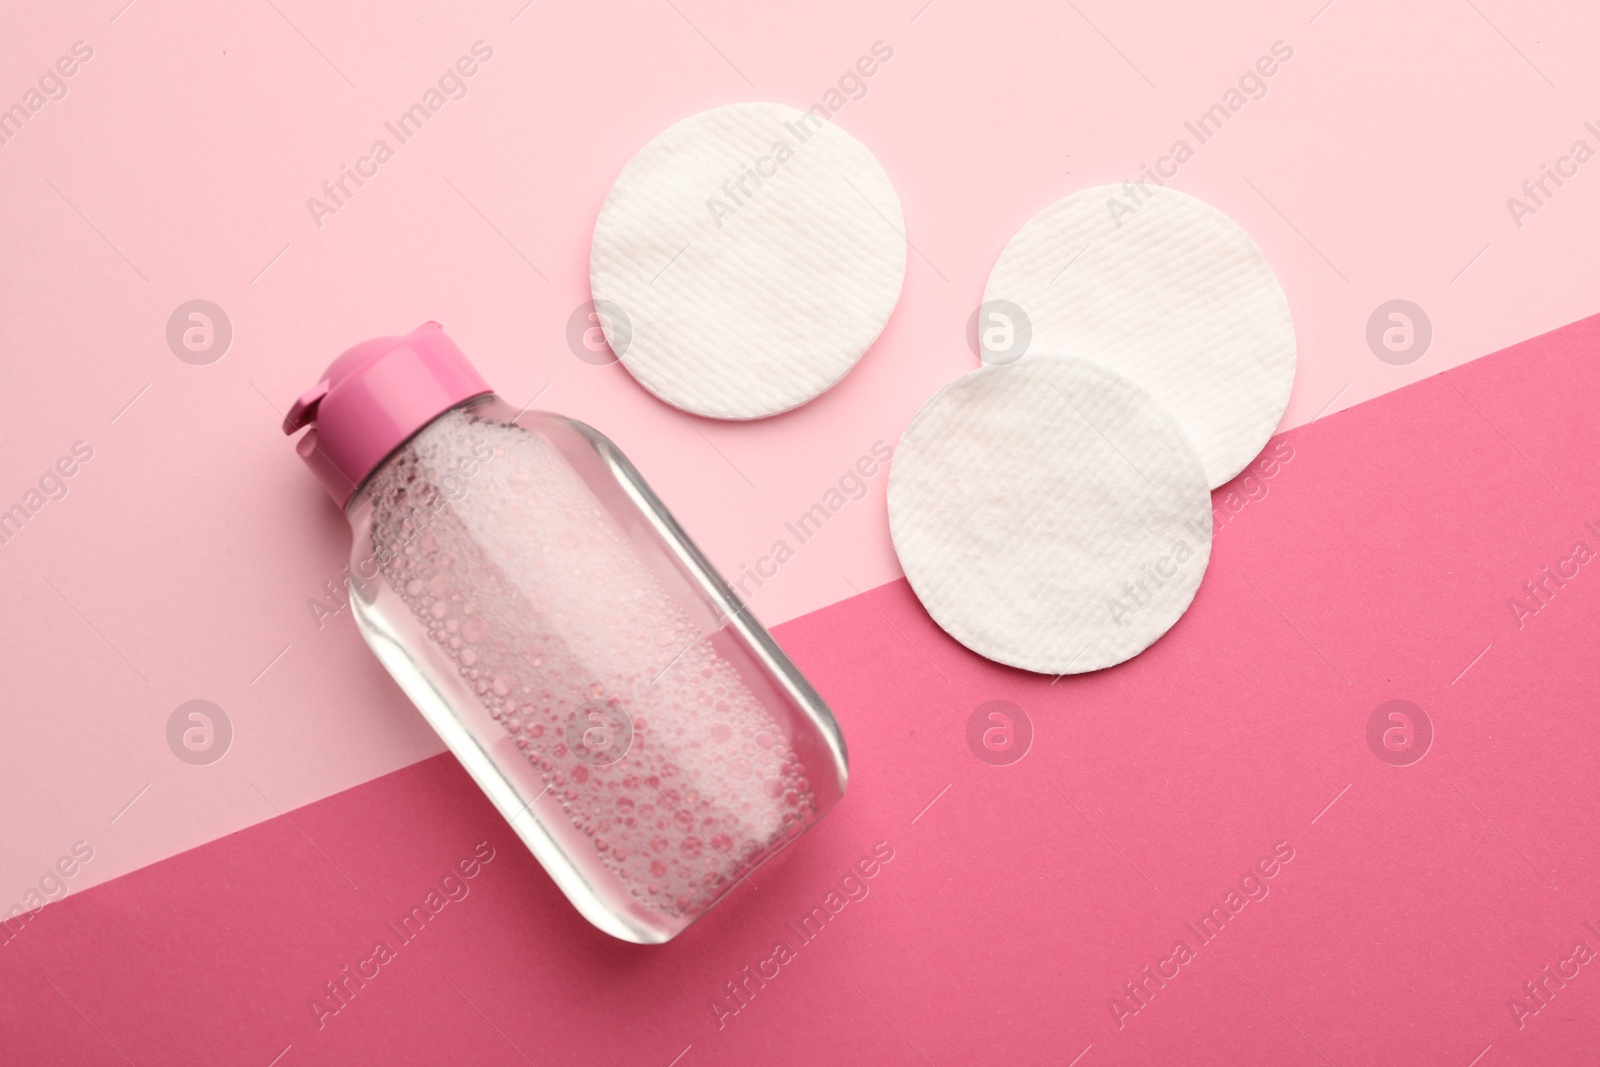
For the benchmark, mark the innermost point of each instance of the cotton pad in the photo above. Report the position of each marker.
(756, 251)
(1168, 292)
(1050, 515)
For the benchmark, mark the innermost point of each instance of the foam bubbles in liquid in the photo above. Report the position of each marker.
(547, 611)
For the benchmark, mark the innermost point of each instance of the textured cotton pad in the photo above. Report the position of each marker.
(1168, 292)
(756, 252)
(1050, 515)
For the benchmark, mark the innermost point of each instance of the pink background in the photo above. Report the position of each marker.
(1016, 900)
(178, 166)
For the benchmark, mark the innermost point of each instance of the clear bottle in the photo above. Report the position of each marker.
(636, 726)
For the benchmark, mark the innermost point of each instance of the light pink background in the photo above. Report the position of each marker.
(179, 164)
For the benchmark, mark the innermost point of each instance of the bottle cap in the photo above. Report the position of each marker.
(373, 398)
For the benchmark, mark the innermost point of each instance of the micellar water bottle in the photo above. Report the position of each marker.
(625, 713)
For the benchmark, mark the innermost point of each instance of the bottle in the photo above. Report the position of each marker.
(636, 726)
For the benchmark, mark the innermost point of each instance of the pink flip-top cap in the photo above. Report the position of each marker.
(373, 398)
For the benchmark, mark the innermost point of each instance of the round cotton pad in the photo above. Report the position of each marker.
(1168, 292)
(756, 252)
(1050, 515)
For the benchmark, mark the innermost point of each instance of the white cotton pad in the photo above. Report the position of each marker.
(1168, 292)
(756, 252)
(1050, 515)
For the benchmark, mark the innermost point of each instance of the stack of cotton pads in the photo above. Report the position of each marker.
(1052, 510)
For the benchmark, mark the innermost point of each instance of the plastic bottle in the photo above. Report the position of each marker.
(629, 718)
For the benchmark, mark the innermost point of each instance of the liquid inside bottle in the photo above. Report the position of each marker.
(626, 714)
